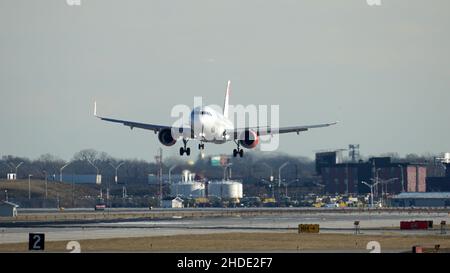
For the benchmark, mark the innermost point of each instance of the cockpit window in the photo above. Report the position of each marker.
(205, 113)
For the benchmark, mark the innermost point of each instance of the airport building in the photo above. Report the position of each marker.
(347, 178)
(11, 176)
(172, 202)
(421, 199)
(8, 209)
(325, 159)
(440, 183)
(78, 178)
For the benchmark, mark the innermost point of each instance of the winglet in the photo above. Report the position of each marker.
(332, 123)
(227, 96)
(95, 109)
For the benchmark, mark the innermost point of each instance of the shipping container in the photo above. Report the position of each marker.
(415, 224)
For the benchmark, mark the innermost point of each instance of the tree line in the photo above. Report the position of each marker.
(253, 168)
(132, 171)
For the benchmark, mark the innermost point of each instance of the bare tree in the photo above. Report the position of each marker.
(86, 155)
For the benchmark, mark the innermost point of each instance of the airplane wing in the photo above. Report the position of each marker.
(267, 130)
(153, 127)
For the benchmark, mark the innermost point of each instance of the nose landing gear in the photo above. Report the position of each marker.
(184, 149)
(238, 151)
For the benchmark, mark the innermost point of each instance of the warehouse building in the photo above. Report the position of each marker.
(346, 178)
(325, 159)
(440, 183)
(421, 199)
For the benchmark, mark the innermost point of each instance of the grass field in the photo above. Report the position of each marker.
(244, 242)
(19, 190)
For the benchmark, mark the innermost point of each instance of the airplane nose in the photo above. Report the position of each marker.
(196, 123)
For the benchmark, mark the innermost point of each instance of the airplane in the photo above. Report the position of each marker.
(209, 126)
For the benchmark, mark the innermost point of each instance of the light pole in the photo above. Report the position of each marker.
(17, 167)
(385, 182)
(377, 178)
(288, 183)
(96, 179)
(29, 186)
(9, 166)
(403, 181)
(279, 176)
(347, 179)
(116, 168)
(46, 189)
(371, 190)
(61, 170)
(98, 171)
(279, 172)
(225, 170)
(271, 170)
(124, 192)
(318, 185)
(170, 173)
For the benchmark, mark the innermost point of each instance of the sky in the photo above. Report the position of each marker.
(382, 71)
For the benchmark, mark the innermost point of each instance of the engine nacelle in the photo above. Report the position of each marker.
(166, 138)
(249, 139)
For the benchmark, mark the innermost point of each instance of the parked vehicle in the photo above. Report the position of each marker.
(100, 207)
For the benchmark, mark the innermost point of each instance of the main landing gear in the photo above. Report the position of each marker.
(201, 146)
(184, 149)
(238, 150)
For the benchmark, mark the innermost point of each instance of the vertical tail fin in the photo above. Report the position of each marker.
(225, 105)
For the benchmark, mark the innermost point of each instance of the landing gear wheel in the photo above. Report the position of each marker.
(184, 149)
(238, 150)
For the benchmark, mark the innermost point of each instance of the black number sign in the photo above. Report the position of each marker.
(36, 241)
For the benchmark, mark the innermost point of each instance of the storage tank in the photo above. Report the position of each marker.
(226, 189)
(188, 189)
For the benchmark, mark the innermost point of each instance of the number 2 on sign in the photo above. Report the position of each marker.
(74, 246)
(374, 247)
(37, 239)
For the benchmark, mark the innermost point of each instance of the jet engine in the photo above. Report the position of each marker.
(249, 139)
(166, 138)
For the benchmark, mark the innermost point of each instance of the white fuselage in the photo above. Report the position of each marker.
(210, 126)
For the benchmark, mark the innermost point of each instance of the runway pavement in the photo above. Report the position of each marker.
(383, 223)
